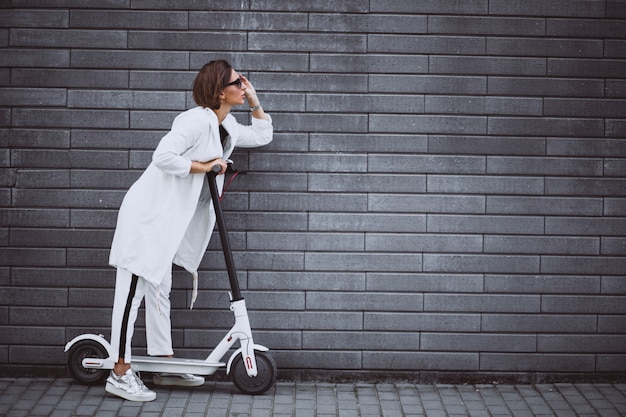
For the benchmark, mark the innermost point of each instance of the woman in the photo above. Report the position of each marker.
(167, 217)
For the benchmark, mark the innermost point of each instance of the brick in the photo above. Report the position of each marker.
(436, 124)
(545, 87)
(539, 323)
(478, 65)
(354, 6)
(582, 8)
(362, 262)
(426, 203)
(70, 118)
(584, 108)
(67, 316)
(366, 183)
(68, 38)
(613, 285)
(372, 23)
(188, 40)
(592, 68)
(529, 362)
(359, 341)
(458, 184)
(586, 186)
(114, 59)
(482, 145)
(614, 167)
(33, 257)
(542, 245)
(309, 163)
(611, 324)
(543, 205)
(486, 303)
(33, 97)
(281, 280)
(545, 166)
(372, 63)
(306, 359)
(584, 226)
(298, 42)
(38, 238)
(430, 6)
(42, 179)
(247, 21)
(613, 246)
(128, 19)
(481, 263)
(363, 301)
(37, 217)
(545, 47)
(547, 126)
(35, 58)
(307, 320)
(470, 342)
(580, 343)
(422, 322)
(615, 128)
(615, 49)
(420, 282)
(614, 206)
(76, 278)
(321, 142)
(364, 103)
(34, 335)
(346, 222)
(583, 265)
(610, 363)
(140, 119)
(542, 284)
(35, 297)
(482, 25)
(428, 84)
(255, 61)
(34, 18)
(36, 138)
(426, 164)
(67, 198)
(421, 361)
(103, 179)
(41, 158)
(71, 78)
(426, 44)
(586, 147)
(589, 28)
(423, 243)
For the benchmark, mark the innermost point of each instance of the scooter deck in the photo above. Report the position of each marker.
(175, 365)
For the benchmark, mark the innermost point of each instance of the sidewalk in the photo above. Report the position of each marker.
(64, 397)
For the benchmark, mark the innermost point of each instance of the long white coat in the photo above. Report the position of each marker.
(167, 215)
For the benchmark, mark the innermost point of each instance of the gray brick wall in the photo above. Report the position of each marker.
(445, 194)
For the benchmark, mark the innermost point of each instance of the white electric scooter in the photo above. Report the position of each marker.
(252, 369)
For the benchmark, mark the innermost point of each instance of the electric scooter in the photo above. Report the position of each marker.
(252, 369)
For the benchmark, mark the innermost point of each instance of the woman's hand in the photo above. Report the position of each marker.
(203, 167)
(253, 100)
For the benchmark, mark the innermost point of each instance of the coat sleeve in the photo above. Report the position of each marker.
(259, 133)
(168, 156)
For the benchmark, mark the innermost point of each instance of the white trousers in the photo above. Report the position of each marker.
(130, 290)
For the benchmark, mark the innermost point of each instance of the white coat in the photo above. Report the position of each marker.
(167, 215)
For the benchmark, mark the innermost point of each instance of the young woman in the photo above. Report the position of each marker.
(167, 217)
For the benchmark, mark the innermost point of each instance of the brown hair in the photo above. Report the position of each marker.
(210, 82)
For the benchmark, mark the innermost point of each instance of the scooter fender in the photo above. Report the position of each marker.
(260, 348)
(98, 338)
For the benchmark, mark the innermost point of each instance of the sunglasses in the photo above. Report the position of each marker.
(237, 83)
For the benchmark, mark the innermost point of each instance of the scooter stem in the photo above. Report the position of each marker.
(221, 225)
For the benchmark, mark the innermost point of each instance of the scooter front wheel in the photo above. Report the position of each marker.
(86, 349)
(264, 380)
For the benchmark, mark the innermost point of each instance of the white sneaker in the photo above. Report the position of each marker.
(129, 386)
(181, 380)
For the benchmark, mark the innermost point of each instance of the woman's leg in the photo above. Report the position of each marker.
(129, 291)
(158, 322)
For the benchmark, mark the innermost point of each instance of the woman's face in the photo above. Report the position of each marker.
(235, 92)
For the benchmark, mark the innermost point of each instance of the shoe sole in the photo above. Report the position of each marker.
(178, 382)
(130, 397)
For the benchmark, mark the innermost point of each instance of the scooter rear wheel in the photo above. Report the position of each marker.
(264, 380)
(86, 349)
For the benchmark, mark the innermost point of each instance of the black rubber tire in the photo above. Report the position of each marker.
(266, 374)
(87, 349)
